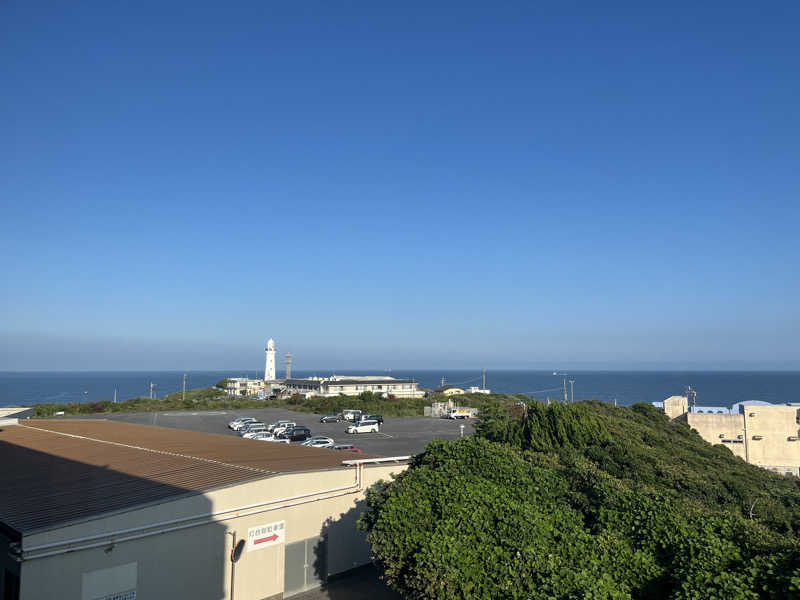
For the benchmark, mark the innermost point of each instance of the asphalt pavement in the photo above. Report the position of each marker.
(399, 436)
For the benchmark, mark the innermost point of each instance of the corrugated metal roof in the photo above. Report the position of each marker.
(65, 470)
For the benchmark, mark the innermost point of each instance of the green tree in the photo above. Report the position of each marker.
(584, 501)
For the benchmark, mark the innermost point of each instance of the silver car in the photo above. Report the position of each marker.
(319, 441)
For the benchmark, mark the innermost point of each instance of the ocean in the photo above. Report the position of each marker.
(714, 388)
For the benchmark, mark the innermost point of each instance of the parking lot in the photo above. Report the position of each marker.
(399, 436)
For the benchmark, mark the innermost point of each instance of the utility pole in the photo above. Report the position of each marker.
(565, 390)
(571, 390)
(183, 397)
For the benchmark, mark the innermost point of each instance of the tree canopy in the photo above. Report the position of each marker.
(585, 501)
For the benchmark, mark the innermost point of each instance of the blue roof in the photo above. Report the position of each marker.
(739, 406)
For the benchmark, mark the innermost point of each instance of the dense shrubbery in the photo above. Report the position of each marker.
(586, 501)
(215, 399)
(198, 399)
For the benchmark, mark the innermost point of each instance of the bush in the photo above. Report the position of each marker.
(585, 501)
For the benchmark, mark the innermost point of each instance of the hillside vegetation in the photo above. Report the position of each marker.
(214, 398)
(586, 501)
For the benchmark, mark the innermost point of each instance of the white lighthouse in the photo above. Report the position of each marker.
(269, 369)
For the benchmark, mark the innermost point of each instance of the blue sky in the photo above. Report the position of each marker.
(447, 185)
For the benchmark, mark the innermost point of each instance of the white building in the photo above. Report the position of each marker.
(353, 385)
(242, 386)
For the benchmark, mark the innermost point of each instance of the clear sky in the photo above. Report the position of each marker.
(390, 185)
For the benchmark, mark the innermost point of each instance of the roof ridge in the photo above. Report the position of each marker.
(152, 450)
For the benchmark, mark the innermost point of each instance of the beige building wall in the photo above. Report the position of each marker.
(675, 406)
(190, 558)
(777, 427)
(763, 435)
(720, 429)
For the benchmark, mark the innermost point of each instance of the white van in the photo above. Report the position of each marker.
(351, 415)
(368, 426)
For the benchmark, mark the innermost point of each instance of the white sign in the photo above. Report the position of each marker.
(262, 536)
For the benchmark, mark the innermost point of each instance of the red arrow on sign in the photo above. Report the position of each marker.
(270, 538)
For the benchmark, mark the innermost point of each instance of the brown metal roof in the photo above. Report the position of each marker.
(64, 470)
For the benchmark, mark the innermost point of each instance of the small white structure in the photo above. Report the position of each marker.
(444, 409)
(269, 369)
(476, 390)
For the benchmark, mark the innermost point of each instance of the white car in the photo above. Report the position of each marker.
(276, 439)
(259, 434)
(252, 428)
(240, 422)
(319, 441)
(282, 428)
(281, 423)
(368, 426)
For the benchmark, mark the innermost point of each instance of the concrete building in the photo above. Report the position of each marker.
(352, 386)
(106, 510)
(449, 390)
(242, 386)
(763, 434)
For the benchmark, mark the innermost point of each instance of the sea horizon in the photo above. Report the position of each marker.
(714, 387)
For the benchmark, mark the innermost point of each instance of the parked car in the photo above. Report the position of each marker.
(319, 441)
(331, 419)
(283, 427)
(281, 423)
(259, 435)
(275, 439)
(346, 448)
(296, 434)
(258, 432)
(239, 422)
(351, 415)
(368, 426)
(378, 418)
(252, 428)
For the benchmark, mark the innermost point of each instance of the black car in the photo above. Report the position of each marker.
(378, 418)
(297, 434)
(331, 419)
